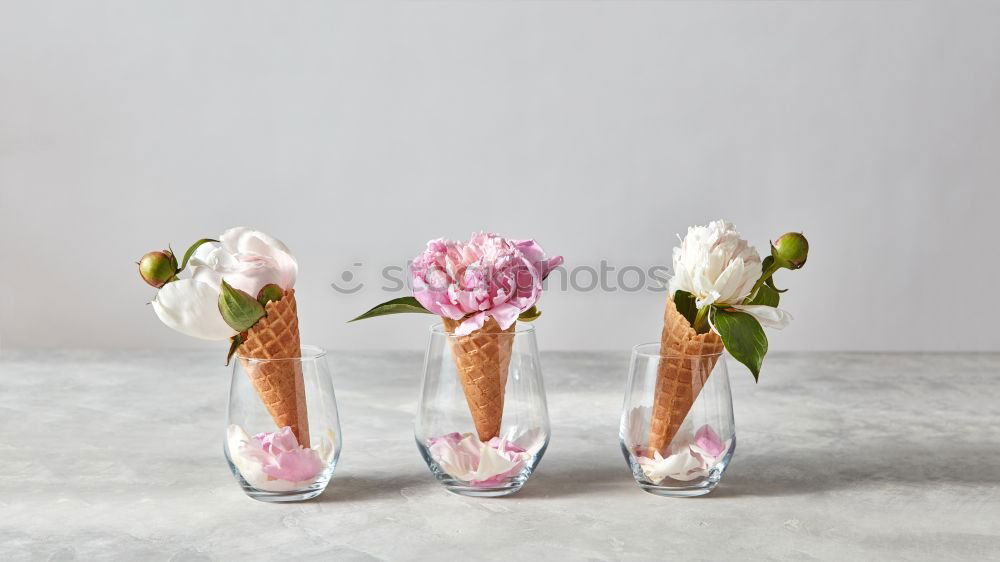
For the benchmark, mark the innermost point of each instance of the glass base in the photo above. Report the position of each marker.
(463, 488)
(480, 492)
(691, 491)
(280, 497)
(298, 495)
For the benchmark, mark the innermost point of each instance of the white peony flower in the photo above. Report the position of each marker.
(247, 259)
(718, 267)
(715, 264)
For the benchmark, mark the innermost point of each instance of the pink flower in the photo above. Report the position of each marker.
(282, 458)
(488, 276)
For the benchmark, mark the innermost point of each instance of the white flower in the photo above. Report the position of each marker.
(247, 259)
(715, 265)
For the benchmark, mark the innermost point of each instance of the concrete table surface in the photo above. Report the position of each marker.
(841, 456)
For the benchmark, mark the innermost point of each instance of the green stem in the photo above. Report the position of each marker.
(763, 278)
(701, 320)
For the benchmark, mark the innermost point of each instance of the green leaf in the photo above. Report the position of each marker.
(190, 252)
(530, 315)
(239, 309)
(765, 296)
(234, 343)
(684, 301)
(395, 306)
(743, 337)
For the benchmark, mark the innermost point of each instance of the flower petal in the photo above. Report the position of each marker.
(768, 316)
(709, 441)
(207, 275)
(715, 264)
(254, 249)
(205, 254)
(471, 324)
(241, 239)
(192, 307)
(505, 315)
(297, 465)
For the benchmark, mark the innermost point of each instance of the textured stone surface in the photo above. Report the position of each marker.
(840, 456)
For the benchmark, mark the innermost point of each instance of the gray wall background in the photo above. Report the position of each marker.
(356, 131)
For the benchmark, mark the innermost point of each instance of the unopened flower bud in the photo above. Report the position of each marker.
(158, 268)
(790, 250)
(269, 293)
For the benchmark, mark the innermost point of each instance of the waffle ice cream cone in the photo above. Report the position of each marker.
(482, 359)
(680, 377)
(278, 383)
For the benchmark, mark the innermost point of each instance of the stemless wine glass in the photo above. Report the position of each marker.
(446, 434)
(677, 453)
(271, 460)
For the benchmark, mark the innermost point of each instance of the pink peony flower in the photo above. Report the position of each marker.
(488, 276)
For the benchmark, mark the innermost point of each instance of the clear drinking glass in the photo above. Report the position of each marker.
(463, 456)
(677, 453)
(283, 431)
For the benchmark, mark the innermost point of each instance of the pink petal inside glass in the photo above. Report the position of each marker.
(282, 458)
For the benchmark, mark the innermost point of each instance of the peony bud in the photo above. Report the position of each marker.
(269, 293)
(790, 250)
(158, 268)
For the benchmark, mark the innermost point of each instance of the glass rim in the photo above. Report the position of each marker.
(308, 353)
(639, 351)
(519, 328)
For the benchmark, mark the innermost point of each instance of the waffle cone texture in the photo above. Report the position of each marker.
(278, 383)
(483, 359)
(687, 359)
